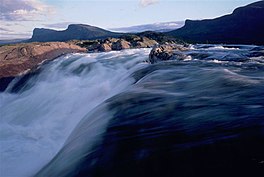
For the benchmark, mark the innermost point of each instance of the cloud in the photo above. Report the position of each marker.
(14, 30)
(10, 34)
(5, 30)
(23, 10)
(145, 3)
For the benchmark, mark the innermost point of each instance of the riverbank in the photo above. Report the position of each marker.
(63, 118)
(18, 59)
(22, 58)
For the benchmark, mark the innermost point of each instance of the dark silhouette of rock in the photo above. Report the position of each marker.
(166, 52)
(244, 26)
(73, 32)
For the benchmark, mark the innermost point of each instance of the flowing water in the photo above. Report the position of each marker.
(112, 114)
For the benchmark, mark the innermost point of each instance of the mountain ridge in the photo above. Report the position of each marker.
(244, 26)
(156, 27)
(73, 32)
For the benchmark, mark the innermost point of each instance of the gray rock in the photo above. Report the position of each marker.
(166, 52)
(121, 44)
(145, 42)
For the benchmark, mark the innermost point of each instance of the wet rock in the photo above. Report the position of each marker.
(166, 52)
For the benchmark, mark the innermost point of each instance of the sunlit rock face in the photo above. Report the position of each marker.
(18, 58)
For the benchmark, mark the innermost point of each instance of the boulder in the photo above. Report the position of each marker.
(131, 38)
(166, 52)
(149, 42)
(105, 47)
(121, 44)
(145, 43)
(111, 40)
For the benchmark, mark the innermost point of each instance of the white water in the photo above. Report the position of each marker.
(35, 123)
(222, 48)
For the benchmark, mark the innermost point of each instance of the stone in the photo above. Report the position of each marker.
(105, 47)
(121, 44)
(166, 52)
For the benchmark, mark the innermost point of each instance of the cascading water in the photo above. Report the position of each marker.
(112, 114)
(37, 119)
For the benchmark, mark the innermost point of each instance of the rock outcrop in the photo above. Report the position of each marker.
(244, 26)
(167, 52)
(19, 58)
(120, 44)
(132, 41)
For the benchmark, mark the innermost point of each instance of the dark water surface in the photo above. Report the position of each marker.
(202, 115)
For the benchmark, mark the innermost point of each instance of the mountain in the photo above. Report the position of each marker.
(157, 27)
(244, 26)
(74, 31)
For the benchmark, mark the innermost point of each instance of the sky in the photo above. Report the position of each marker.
(18, 18)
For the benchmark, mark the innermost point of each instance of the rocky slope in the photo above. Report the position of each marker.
(244, 26)
(73, 32)
(21, 58)
(15, 59)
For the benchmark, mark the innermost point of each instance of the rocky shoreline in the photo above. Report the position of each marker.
(128, 41)
(19, 59)
(115, 44)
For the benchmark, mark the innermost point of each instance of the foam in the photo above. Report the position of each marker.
(35, 123)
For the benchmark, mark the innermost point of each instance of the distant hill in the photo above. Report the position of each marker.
(244, 26)
(74, 31)
(157, 27)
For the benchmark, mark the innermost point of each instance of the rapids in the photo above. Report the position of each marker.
(112, 114)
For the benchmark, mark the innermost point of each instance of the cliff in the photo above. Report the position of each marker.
(244, 26)
(74, 31)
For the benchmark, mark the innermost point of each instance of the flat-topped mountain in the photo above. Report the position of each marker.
(244, 26)
(74, 31)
